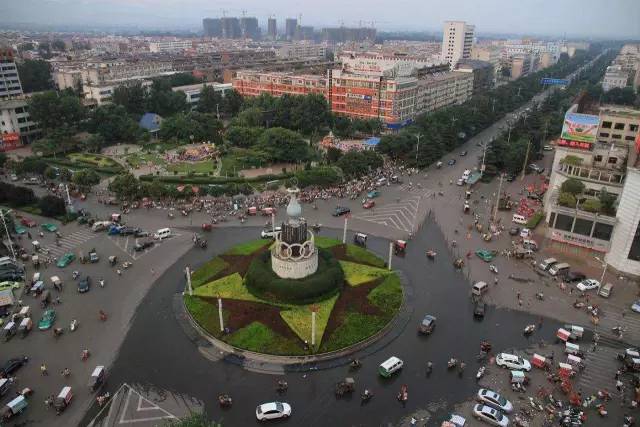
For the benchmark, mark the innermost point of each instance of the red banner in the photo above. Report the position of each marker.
(10, 141)
(638, 143)
(574, 144)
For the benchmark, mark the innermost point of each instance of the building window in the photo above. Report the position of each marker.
(619, 126)
(597, 158)
(602, 231)
(613, 160)
(564, 222)
(606, 125)
(583, 227)
(629, 138)
(634, 251)
(604, 134)
(633, 128)
(616, 136)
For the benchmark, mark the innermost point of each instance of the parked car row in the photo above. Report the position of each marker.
(563, 270)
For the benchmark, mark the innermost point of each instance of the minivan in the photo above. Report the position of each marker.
(479, 288)
(605, 290)
(466, 174)
(530, 244)
(390, 366)
(559, 269)
(547, 263)
(519, 219)
(163, 233)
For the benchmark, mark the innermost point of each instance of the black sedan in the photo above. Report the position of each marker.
(341, 210)
(128, 231)
(463, 153)
(479, 309)
(451, 162)
(84, 285)
(575, 276)
(141, 246)
(12, 365)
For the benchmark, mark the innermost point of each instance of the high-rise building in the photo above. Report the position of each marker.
(249, 27)
(10, 86)
(272, 28)
(212, 27)
(231, 28)
(290, 26)
(457, 41)
(346, 34)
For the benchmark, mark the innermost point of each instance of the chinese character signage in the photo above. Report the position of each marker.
(9, 141)
(574, 144)
(580, 127)
(549, 81)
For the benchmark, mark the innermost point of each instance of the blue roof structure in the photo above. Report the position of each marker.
(150, 122)
(372, 142)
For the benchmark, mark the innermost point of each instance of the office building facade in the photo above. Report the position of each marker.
(457, 42)
(10, 86)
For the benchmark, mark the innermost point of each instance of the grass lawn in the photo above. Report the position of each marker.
(93, 159)
(299, 319)
(387, 296)
(161, 147)
(205, 314)
(141, 158)
(355, 327)
(359, 254)
(248, 248)
(230, 287)
(204, 166)
(259, 337)
(357, 274)
(326, 242)
(207, 272)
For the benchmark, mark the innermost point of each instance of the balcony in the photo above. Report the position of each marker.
(605, 176)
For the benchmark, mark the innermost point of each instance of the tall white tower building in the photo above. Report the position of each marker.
(457, 41)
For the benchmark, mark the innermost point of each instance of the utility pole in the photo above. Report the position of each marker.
(390, 255)
(344, 232)
(417, 147)
(509, 134)
(484, 153)
(493, 105)
(495, 210)
(526, 159)
(188, 273)
(13, 253)
(220, 314)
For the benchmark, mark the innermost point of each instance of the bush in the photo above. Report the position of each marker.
(535, 220)
(321, 177)
(15, 195)
(567, 200)
(52, 206)
(572, 186)
(591, 205)
(265, 284)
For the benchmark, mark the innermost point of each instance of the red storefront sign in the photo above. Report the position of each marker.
(574, 144)
(10, 141)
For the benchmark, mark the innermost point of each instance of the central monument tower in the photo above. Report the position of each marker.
(294, 254)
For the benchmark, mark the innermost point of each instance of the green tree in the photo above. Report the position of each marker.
(58, 45)
(333, 154)
(210, 101)
(567, 200)
(52, 206)
(607, 201)
(9, 222)
(86, 178)
(591, 205)
(200, 126)
(112, 123)
(620, 96)
(35, 75)
(132, 98)
(50, 173)
(243, 137)
(3, 159)
(93, 143)
(572, 186)
(163, 101)
(250, 117)
(357, 163)
(231, 103)
(32, 164)
(125, 186)
(284, 145)
(52, 110)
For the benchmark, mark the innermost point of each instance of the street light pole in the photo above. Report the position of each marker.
(484, 153)
(604, 269)
(417, 147)
(13, 253)
(526, 159)
(495, 210)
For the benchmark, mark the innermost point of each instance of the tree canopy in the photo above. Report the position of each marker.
(112, 122)
(284, 145)
(193, 125)
(35, 75)
(53, 110)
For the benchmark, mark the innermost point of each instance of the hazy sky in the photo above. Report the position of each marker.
(597, 18)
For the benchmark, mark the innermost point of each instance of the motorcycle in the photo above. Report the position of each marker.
(452, 363)
(528, 330)
(429, 368)
(480, 373)
(75, 274)
(493, 269)
(102, 399)
(282, 386)
(84, 355)
(540, 296)
(57, 332)
(366, 396)
(461, 369)
(74, 325)
(355, 364)
(102, 283)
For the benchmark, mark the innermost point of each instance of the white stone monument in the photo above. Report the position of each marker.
(294, 254)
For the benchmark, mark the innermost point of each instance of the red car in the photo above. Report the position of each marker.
(368, 204)
(28, 222)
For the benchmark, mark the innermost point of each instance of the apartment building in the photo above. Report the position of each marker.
(300, 50)
(10, 86)
(443, 90)
(192, 92)
(290, 26)
(272, 28)
(483, 73)
(614, 77)
(16, 126)
(377, 62)
(617, 124)
(164, 46)
(457, 41)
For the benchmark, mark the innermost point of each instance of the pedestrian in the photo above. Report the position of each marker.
(618, 373)
(618, 385)
(495, 280)
(518, 295)
(153, 272)
(43, 370)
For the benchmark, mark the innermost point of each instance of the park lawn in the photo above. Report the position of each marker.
(141, 158)
(387, 296)
(205, 314)
(260, 338)
(354, 328)
(248, 248)
(204, 166)
(358, 254)
(299, 319)
(93, 159)
(358, 274)
(326, 242)
(229, 287)
(208, 271)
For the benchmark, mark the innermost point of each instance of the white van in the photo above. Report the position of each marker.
(547, 263)
(389, 366)
(163, 233)
(519, 219)
(100, 225)
(530, 244)
(605, 290)
(466, 174)
(559, 269)
(479, 288)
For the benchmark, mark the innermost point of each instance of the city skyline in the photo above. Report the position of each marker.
(542, 18)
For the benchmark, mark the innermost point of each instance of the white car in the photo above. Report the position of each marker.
(268, 233)
(511, 361)
(636, 306)
(525, 233)
(588, 284)
(272, 411)
(547, 148)
(460, 182)
(493, 399)
(490, 415)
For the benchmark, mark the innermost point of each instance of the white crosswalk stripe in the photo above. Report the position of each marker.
(600, 367)
(402, 215)
(70, 242)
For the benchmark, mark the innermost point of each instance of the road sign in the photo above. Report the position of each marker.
(547, 81)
